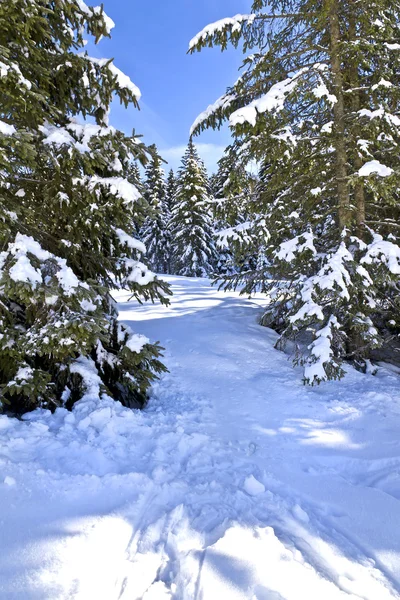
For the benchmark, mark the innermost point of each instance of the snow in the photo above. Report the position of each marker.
(220, 104)
(6, 129)
(252, 486)
(9, 481)
(109, 23)
(123, 81)
(374, 166)
(67, 278)
(322, 91)
(274, 99)
(24, 374)
(24, 271)
(117, 186)
(131, 242)
(5, 69)
(327, 128)
(138, 272)
(382, 83)
(288, 250)
(235, 23)
(83, 131)
(56, 135)
(136, 342)
(316, 191)
(86, 368)
(88, 305)
(321, 352)
(236, 481)
(238, 232)
(380, 250)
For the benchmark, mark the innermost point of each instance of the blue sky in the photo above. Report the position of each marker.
(149, 44)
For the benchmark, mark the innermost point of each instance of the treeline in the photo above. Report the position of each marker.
(191, 214)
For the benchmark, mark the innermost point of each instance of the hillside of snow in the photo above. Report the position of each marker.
(236, 482)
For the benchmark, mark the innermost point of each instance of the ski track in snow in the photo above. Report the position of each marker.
(236, 481)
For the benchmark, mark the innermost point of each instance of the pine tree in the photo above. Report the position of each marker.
(316, 103)
(134, 177)
(171, 189)
(170, 195)
(229, 192)
(194, 252)
(155, 233)
(66, 209)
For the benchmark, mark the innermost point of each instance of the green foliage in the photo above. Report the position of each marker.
(69, 203)
(170, 191)
(315, 106)
(233, 188)
(194, 252)
(155, 232)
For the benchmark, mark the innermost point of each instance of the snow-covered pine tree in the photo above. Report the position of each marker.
(194, 252)
(155, 232)
(134, 177)
(66, 205)
(230, 193)
(317, 100)
(171, 189)
(171, 184)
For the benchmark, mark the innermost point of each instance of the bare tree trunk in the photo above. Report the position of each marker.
(344, 216)
(359, 195)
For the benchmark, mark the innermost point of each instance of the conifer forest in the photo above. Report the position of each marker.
(200, 326)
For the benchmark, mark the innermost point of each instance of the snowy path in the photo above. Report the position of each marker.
(236, 482)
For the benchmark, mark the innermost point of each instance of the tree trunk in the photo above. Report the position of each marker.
(344, 216)
(359, 195)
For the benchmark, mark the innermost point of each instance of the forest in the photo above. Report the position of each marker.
(199, 367)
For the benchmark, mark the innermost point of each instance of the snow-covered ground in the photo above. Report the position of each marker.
(236, 482)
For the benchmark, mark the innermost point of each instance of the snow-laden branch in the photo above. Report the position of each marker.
(98, 10)
(384, 252)
(131, 242)
(274, 99)
(220, 104)
(234, 22)
(123, 81)
(6, 69)
(82, 134)
(6, 129)
(236, 233)
(375, 167)
(117, 186)
(24, 271)
(321, 352)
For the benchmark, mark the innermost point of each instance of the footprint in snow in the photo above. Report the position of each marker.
(252, 486)
(300, 514)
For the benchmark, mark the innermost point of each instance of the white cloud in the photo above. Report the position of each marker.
(210, 153)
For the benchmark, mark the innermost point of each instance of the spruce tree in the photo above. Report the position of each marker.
(66, 211)
(134, 176)
(170, 191)
(194, 252)
(155, 233)
(317, 105)
(170, 195)
(230, 196)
